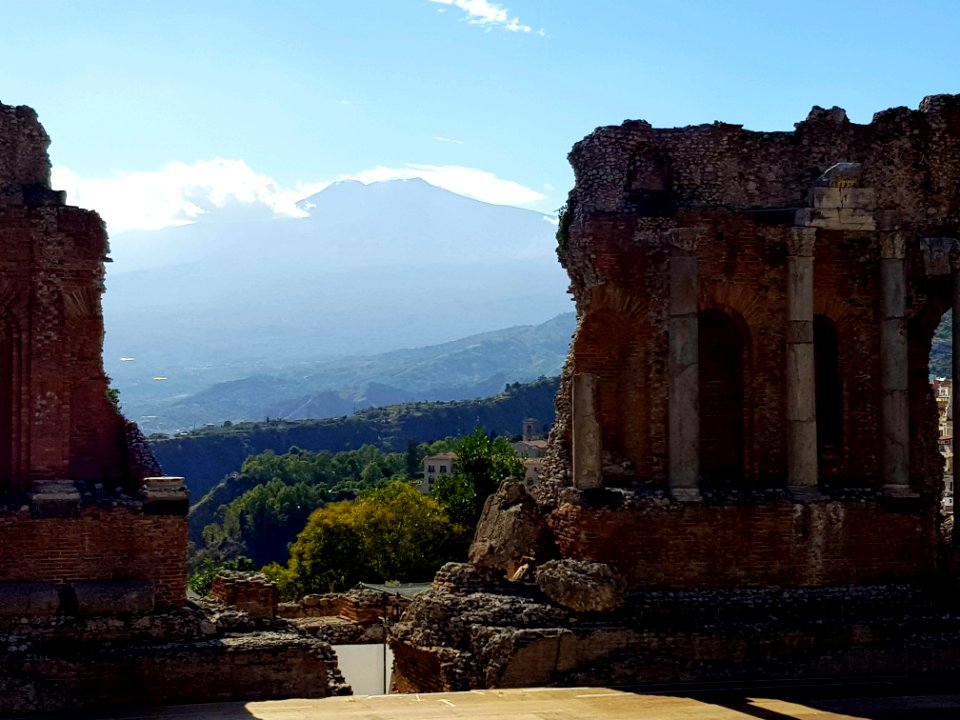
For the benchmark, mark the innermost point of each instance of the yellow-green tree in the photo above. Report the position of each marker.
(392, 533)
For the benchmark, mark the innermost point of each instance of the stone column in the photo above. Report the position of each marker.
(894, 405)
(801, 411)
(684, 372)
(587, 448)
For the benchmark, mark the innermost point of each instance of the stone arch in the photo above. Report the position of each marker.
(926, 465)
(609, 344)
(724, 367)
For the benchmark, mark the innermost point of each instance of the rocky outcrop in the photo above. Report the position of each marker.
(509, 531)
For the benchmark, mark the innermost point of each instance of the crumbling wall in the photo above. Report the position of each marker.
(743, 189)
(743, 477)
(81, 497)
(23, 148)
(201, 653)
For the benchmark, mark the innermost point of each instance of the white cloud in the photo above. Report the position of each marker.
(440, 138)
(474, 183)
(179, 194)
(488, 15)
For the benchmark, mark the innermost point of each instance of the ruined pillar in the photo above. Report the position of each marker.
(955, 348)
(684, 374)
(587, 449)
(894, 403)
(801, 369)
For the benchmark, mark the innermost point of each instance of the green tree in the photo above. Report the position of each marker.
(328, 555)
(483, 464)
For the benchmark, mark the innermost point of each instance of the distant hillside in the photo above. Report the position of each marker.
(472, 367)
(205, 456)
(373, 268)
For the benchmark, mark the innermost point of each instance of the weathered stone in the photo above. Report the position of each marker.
(18, 599)
(587, 447)
(582, 586)
(107, 597)
(252, 592)
(509, 530)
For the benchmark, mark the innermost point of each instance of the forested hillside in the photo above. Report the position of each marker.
(205, 456)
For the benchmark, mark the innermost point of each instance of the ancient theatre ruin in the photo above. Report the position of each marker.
(745, 477)
(75, 506)
(93, 607)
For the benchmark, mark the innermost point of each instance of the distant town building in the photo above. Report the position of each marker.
(943, 393)
(435, 466)
(532, 470)
(531, 449)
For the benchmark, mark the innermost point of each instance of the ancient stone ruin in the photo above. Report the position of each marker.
(93, 540)
(744, 477)
(76, 506)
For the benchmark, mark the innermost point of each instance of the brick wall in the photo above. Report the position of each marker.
(102, 543)
(695, 546)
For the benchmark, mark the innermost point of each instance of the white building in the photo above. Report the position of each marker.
(435, 466)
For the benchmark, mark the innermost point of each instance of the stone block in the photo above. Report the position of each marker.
(582, 586)
(113, 597)
(29, 599)
(856, 218)
(165, 495)
(54, 498)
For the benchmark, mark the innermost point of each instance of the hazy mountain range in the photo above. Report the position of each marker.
(244, 315)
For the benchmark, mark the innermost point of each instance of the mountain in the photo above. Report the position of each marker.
(372, 269)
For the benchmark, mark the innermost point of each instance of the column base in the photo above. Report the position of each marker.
(686, 495)
(806, 493)
(54, 498)
(899, 491)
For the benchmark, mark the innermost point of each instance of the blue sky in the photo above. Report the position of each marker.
(157, 109)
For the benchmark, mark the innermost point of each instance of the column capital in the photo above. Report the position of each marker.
(940, 256)
(685, 239)
(893, 245)
(801, 241)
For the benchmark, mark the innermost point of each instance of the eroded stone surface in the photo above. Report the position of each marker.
(509, 530)
(581, 586)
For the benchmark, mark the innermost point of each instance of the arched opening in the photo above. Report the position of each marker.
(941, 374)
(721, 357)
(829, 391)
